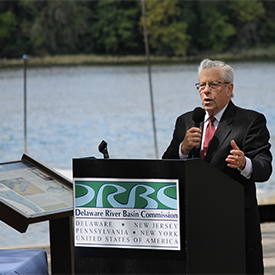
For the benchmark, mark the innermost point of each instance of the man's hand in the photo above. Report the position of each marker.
(237, 159)
(191, 140)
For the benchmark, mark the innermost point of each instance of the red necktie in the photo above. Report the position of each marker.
(209, 133)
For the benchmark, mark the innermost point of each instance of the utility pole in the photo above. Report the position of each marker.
(149, 75)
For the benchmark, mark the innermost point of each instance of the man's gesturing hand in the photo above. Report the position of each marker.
(237, 158)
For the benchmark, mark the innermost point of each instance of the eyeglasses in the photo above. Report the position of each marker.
(212, 85)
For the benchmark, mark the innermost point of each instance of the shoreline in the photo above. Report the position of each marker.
(90, 59)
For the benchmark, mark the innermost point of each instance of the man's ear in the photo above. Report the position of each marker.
(230, 88)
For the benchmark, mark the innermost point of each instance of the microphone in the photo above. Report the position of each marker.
(102, 147)
(197, 117)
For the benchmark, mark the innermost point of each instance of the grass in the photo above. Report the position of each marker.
(81, 59)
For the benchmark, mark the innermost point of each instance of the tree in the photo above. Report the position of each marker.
(7, 25)
(116, 27)
(268, 25)
(165, 27)
(215, 29)
(15, 19)
(246, 16)
(60, 26)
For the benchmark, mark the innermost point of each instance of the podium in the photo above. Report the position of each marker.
(211, 207)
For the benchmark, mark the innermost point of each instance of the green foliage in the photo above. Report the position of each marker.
(166, 32)
(216, 28)
(246, 11)
(7, 24)
(60, 26)
(16, 19)
(247, 16)
(116, 27)
(268, 25)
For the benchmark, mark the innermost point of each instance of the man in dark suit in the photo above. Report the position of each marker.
(239, 146)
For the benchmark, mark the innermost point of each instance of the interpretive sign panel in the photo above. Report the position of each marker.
(32, 191)
(127, 213)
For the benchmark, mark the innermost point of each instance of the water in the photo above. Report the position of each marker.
(71, 109)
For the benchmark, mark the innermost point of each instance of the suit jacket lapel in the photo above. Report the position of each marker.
(222, 131)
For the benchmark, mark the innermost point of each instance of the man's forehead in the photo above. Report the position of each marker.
(211, 72)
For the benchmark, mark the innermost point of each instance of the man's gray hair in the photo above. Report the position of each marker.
(227, 71)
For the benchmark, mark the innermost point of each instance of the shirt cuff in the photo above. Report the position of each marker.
(181, 155)
(247, 171)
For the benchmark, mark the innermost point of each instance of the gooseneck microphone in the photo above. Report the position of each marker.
(102, 148)
(197, 117)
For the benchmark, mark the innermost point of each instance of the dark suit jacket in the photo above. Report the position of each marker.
(248, 129)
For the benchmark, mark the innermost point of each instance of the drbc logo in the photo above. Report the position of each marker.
(126, 194)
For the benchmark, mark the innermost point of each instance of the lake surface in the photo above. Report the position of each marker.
(71, 109)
